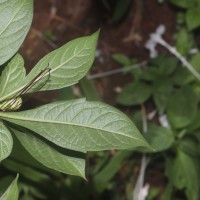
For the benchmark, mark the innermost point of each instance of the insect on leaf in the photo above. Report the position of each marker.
(15, 102)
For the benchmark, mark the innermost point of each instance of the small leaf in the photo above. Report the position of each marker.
(159, 138)
(190, 146)
(167, 65)
(193, 18)
(80, 125)
(184, 35)
(184, 3)
(195, 61)
(121, 59)
(162, 89)
(183, 173)
(182, 107)
(134, 94)
(101, 180)
(49, 156)
(6, 142)
(4, 183)
(12, 75)
(12, 191)
(88, 89)
(182, 77)
(195, 124)
(24, 170)
(16, 18)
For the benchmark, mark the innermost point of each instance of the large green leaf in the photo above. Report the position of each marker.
(49, 156)
(67, 65)
(182, 107)
(11, 192)
(6, 142)
(12, 75)
(80, 125)
(15, 21)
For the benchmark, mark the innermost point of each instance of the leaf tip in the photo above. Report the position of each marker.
(95, 35)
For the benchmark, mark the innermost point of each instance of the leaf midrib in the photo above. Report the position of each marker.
(5, 115)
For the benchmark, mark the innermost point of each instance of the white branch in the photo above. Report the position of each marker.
(156, 38)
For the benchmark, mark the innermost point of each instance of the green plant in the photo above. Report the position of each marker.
(191, 15)
(57, 135)
(172, 91)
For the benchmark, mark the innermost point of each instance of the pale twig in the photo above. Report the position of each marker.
(156, 38)
(141, 191)
(116, 71)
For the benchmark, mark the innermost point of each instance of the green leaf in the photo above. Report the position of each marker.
(12, 75)
(88, 90)
(193, 18)
(80, 125)
(134, 94)
(195, 62)
(168, 191)
(6, 142)
(190, 146)
(16, 18)
(49, 156)
(182, 107)
(182, 77)
(162, 89)
(69, 63)
(196, 88)
(148, 74)
(4, 183)
(184, 35)
(184, 3)
(162, 65)
(159, 138)
(121, 59)
(66, 93)
(28, 172)
(167, 65)
(183, 174)
(11, 192)
(121, 9)
(102, 179)
(195, 124)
